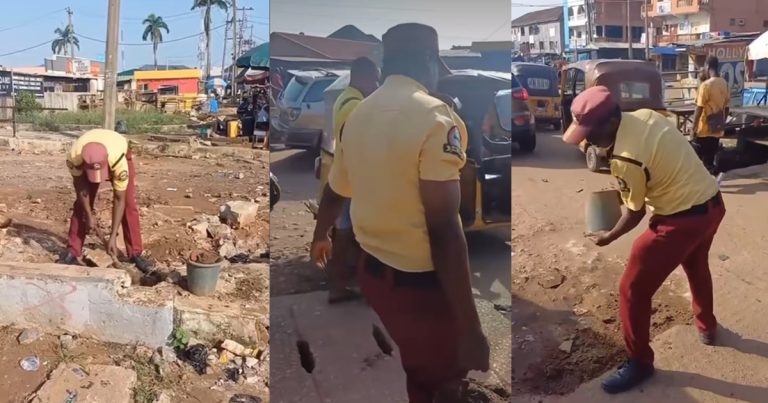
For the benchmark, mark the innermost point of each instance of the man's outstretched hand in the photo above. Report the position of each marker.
(320, 251)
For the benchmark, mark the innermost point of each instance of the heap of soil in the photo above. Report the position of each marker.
(478, 392)
(204, 257)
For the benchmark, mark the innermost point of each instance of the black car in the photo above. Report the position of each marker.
(523, 122)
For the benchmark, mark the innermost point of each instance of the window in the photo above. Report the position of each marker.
(578, 34)
(614, 31)
(637, 33)
(765, 23)
(552, 45)
(315, 93)
(733, 21)
(580, 82)
(145, 87)
(599, 31)
(635, 90)
(293, 91)
(541, 45)
(569, 78)
(522, 31)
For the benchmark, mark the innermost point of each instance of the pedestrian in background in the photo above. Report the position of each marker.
(712, 109)
(398, 159)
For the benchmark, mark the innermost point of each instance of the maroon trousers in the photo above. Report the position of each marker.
(681, 239)
(416, 313)
(130, 222)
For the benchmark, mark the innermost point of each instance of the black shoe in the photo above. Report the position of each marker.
(143, 264)
(629, 375)
(708, 339)
(68, 259)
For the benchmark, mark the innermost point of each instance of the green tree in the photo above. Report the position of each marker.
(154, 26)
(65, 38)
(26, 104)
(207, 5)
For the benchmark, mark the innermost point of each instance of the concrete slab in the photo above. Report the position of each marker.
(212, 320)
(349, 368)
(95, 384)
(91, 302)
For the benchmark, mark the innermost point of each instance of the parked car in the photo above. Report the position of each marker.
(523, 121)
(301, 112)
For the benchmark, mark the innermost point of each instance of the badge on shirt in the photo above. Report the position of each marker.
(623, 187)
(453, 143)
(122, 176)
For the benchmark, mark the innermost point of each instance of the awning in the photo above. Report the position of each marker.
(758, 49)
(665, 50)
(255, 57)
(252, 76)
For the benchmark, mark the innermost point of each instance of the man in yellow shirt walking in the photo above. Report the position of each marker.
(656, 170)
(712, 102)
(98, 156)
(363, 80)
(398, 160)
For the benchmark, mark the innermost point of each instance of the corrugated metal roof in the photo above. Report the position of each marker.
(540, 16)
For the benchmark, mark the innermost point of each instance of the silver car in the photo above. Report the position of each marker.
(300, 111)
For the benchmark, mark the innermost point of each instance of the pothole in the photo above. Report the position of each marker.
(306, 357)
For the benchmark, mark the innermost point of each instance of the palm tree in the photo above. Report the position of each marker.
(65, 40)
(154, 32)
(207, 5)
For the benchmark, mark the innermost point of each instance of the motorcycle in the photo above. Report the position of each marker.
(274, 191)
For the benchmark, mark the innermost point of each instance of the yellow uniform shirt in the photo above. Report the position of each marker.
(117, 148)
(346, 102)
(713, 96)
(655, 165)
(395, 137)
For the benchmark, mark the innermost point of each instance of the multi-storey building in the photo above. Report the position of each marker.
(539, 32)
(602, 21)
(681, 21)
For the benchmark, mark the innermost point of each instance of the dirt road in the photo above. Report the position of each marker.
(565, 318)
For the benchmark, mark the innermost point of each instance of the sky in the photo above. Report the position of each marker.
(34, 25)
(458, 22)
(520, 7)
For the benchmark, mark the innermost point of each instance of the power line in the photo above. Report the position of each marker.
(150, 44)
(25, 23)
(26, 49)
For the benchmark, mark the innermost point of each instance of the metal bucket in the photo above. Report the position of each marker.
(603, 210)
(202, 278)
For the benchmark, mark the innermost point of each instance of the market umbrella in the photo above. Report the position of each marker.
(214, 83)
(255, 57)
(758, 49)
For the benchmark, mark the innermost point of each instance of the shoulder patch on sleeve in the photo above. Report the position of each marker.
(453, 142)
(623, 187)
(122, 176)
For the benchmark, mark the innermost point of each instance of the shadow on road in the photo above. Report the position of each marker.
(491, 264)
(730, 390)
(745, 189)
(550, 153)
(295, 174)
(51, 242)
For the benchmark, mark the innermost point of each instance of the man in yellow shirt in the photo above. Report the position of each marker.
(398, 160)
(712, 101)
(363, 80)
(657, 170)
(103, 155)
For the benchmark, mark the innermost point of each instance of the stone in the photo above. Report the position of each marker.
(28, 336)
(67, 342)
(238, 361)
(199, 228)
(98, 257)
(251, 376)
(164, 397)
(238, 214)
(226, 357)
(173, 277)
(227, 250)
(566, 346)
(240, 175)
(3, 208)
(219, 231)
(551, 281)
(233, 347)
(5, 222)
(251, 362)
(168, 354)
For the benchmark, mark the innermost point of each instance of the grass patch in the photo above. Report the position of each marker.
(138, 122)
(149, 383)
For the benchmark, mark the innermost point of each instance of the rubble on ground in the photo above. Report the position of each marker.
(239, 214)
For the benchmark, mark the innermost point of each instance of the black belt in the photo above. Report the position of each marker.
(424, 280)
(700, 209)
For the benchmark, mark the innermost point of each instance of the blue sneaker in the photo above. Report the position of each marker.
(629, 375)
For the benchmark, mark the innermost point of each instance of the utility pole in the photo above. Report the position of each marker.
(234, 48)
(629, 29)
(647, 33)
(110, 70)
(72, 28)
(224, 51)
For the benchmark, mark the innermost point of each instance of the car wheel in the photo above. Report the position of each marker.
(592, 159)
(528, 144)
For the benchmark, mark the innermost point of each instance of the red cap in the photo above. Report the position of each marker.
(95, 162)
(590, 108)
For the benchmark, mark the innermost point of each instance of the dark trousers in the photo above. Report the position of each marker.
(680, 239)
(130, 222)
(416, 313)
(707, 148)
